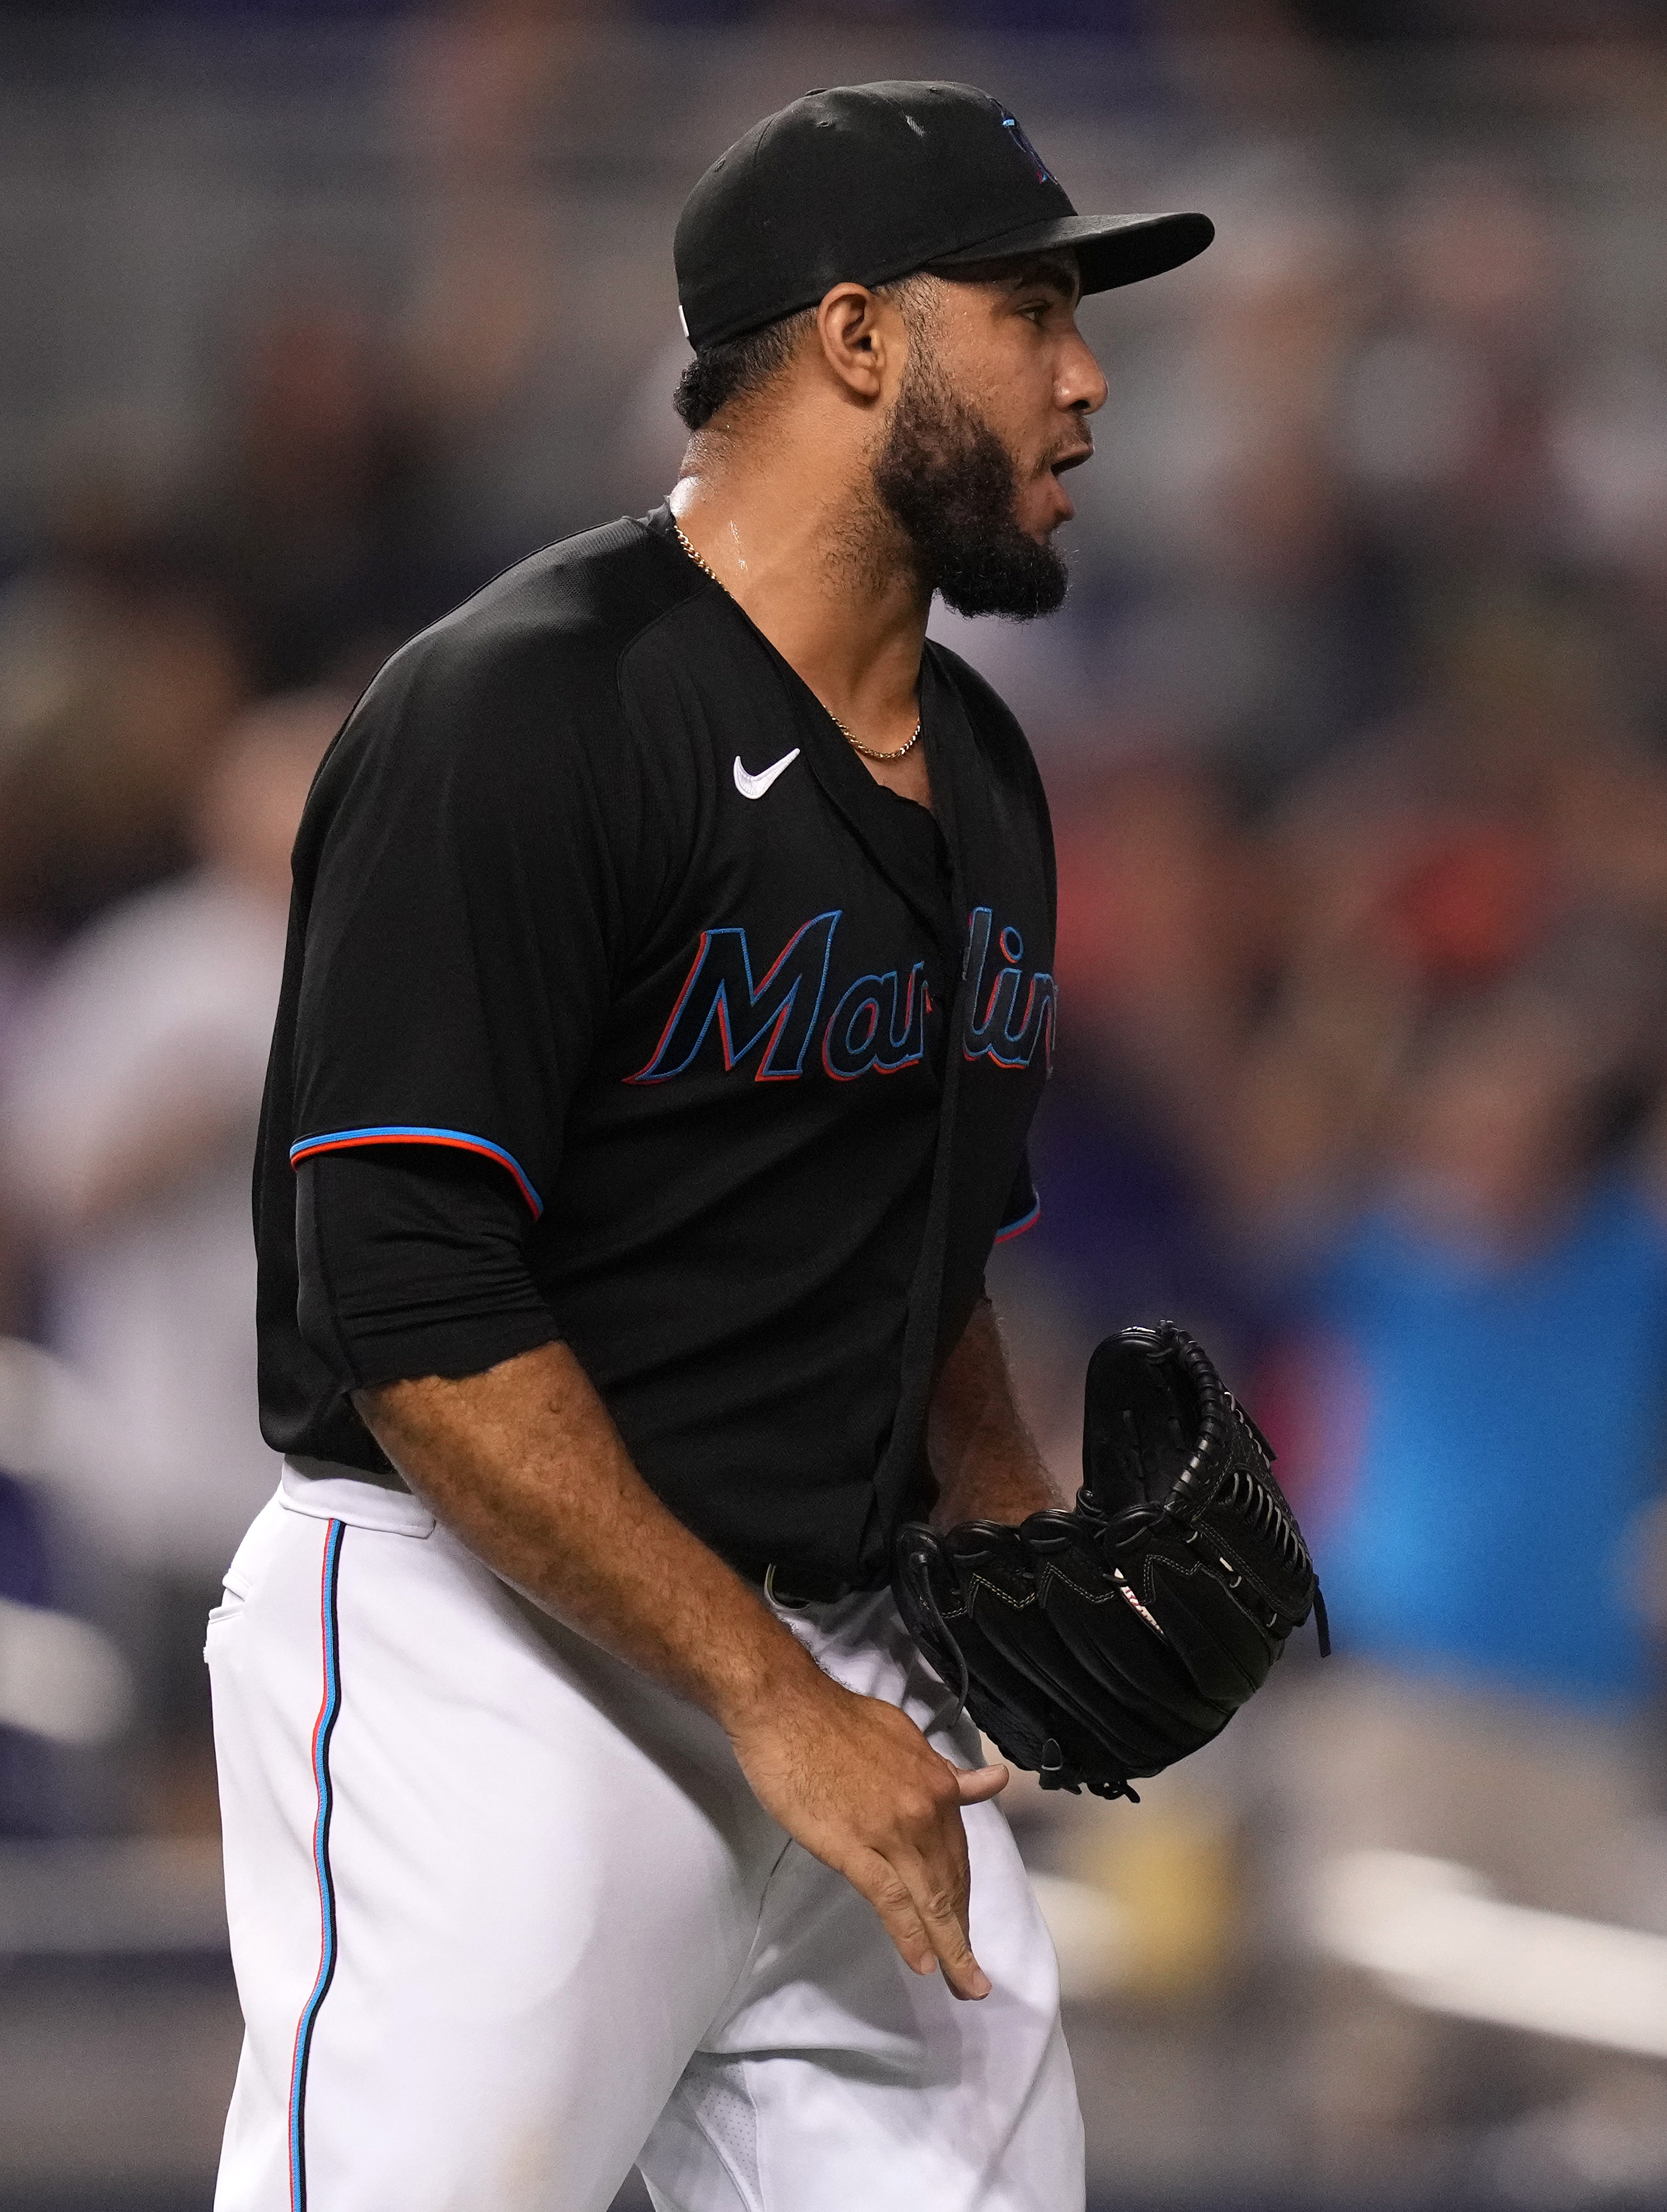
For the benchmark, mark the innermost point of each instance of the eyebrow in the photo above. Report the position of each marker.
(1057, 271)
(1054, 270)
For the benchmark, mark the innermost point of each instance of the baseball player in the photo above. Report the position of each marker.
(667, 999)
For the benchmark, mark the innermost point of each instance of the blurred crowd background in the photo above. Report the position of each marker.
(1355, 727)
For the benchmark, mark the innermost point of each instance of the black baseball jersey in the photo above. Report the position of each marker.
(591, 887)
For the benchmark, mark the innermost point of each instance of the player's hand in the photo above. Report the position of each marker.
(855, 1782)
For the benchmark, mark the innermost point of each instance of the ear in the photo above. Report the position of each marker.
(862, 337)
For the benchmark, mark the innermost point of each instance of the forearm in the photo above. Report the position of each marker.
(983, 1457)
(524, 1464)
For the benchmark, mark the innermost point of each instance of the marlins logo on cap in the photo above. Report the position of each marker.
(1015, 130)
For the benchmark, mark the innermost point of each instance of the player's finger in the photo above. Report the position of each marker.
(978, 1782)
(876, 1879)
(949, 1938)
(938, 1883)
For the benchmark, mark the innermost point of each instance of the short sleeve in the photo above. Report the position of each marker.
(459, 892)
(412, 1261)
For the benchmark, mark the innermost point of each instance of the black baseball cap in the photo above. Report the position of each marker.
(869, 182)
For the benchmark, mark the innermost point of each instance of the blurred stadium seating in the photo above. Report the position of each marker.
(1355, 726)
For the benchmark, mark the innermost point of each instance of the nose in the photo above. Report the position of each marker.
(1082, 387)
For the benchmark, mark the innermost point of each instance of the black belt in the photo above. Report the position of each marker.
(794, 1587)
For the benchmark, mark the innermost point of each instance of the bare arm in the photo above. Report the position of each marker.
(524, 1464)
(985, 1460)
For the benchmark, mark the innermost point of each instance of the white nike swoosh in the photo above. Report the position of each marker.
(755, 787)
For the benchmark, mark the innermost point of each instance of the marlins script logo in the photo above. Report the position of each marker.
(878, 1024)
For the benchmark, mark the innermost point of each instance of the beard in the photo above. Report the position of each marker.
(950, 484)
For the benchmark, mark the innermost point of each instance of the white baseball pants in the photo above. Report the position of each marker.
(506, 1917)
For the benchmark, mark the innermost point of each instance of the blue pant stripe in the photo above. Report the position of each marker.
(324, 1728)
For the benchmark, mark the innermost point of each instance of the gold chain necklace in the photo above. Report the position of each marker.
(856, 744)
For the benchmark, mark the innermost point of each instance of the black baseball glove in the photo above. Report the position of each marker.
(1110, 1641)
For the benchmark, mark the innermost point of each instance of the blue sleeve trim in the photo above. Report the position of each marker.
(405, 1133)
(1024, 1221)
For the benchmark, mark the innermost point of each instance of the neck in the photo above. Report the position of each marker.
(800, 545)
